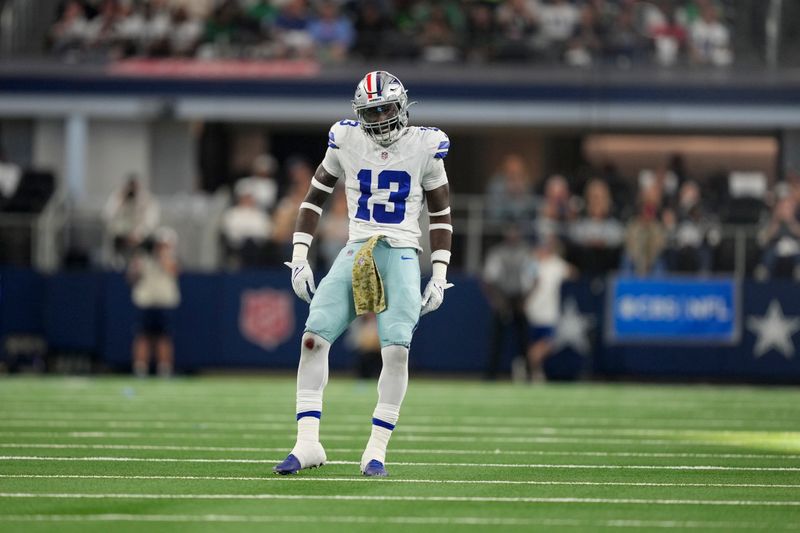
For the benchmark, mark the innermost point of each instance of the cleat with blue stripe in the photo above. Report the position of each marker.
(290, 465)
(374, 468)
(303, 455)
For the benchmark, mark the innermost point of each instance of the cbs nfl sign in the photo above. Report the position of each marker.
(673, 310)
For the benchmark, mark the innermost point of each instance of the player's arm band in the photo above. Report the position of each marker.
(441, 256)
(443, 212)
(440, 259)
(313, 207)
(446, 227)
(321, 186)
(301, 242)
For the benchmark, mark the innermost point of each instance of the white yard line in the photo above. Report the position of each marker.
(489, 397)
(363, 497)
(727, 442)
(405, 520)
(284, 479)
(409, 428)
(417, 419)
(405, 463)
(465, 521)
(423, 451)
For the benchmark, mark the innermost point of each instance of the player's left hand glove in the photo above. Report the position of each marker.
(433, 296)
(302, 279)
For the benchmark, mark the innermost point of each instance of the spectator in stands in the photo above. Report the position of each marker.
(372, 27)
(157, 24)
(101, 34)
(332, 33)
(333, 229)
(625, 45)
(509, 193)
(645, 237)
(292, 30)
(556, 209)
(223, 24)
(300, 174)
(688, 226)
(439, 39)
(543, 275)
(10, 175)
(185, 33)
(246, 230)
(781, 238)
(261, 184)
(517, 22)
(585, 45)
(665, 180)
(130, 28)
(710, 39)
(263, 13)
(69, 33)
(557, 22)
(598, 236)
(131, 215)
(153, 273)
(405, 21)
(503, 287)
(669, 38)
(480, 43)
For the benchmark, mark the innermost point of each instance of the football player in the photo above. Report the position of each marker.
(389, 169)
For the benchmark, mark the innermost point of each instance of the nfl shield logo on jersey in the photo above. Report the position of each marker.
(384, 155)
(266, 317)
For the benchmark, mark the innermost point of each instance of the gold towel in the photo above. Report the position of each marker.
(368, 295)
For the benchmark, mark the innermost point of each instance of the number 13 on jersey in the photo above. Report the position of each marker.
(397, 199)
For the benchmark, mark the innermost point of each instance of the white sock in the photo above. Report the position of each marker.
(312, 376)
(392, 386)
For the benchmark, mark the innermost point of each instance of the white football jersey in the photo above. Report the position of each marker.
(384, 185)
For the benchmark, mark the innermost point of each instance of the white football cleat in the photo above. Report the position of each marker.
(303, 455)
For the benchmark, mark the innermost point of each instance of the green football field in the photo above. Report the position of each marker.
(196, 454)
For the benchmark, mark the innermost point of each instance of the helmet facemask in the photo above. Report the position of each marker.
(383, 122)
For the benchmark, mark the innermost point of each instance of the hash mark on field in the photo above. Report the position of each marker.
(426, 451)
(410, 520)
(406, 463)
(364, 497)
(401, 480)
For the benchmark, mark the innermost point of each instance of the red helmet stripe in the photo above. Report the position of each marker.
(369, 85)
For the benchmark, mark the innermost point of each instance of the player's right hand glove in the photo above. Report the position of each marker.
(433, 296)
(302, 279)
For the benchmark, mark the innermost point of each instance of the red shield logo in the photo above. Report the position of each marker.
(266, 317)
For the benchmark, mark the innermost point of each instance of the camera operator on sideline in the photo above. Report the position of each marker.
(153, 274)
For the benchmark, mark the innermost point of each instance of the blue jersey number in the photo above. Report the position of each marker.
(397, 198)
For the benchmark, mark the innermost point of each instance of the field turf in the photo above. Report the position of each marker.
(196, 454)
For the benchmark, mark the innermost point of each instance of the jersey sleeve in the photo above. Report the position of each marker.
(336, 137)
(437, 145)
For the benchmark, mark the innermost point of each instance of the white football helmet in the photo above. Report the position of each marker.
(381, 105)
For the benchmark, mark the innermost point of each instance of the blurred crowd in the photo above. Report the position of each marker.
(661, 221)
(579, 33)
(254, 231)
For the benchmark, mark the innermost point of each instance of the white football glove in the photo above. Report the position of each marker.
(433, 296)
(302, 279)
